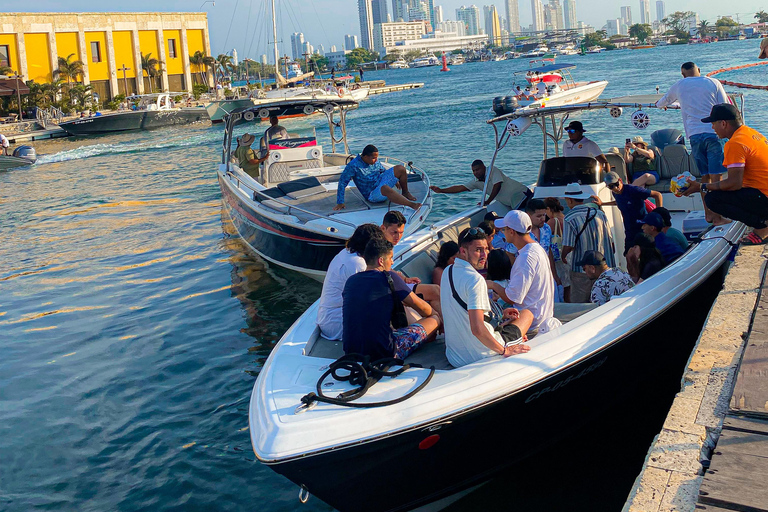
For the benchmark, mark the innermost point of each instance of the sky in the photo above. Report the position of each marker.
(246, 24)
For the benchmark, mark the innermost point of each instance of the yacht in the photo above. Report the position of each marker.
(595, 49)
(567, 49)
(398, 64)
(416, 438)
(423, 62)
(457, 59)
(540, 51)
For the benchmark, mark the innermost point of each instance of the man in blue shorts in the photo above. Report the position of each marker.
(374, 182)
(368, 300)
(631, 203)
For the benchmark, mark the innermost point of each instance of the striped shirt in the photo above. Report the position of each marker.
(596, 235)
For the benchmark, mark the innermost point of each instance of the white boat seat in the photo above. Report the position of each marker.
(566, 311)
(278, 172)
(452, 233)
(674, 160)
(617, 165)
(302, 187)
(420, 266)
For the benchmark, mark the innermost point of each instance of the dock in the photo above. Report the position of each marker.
(394, 88)
(712, 451)
(53, 132)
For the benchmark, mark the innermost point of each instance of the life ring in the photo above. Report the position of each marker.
(341, 92)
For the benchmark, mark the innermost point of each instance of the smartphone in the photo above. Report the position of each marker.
(628, 141)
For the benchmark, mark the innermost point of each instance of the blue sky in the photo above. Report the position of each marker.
(326, 21)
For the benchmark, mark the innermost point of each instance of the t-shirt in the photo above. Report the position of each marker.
(532, 287)
(584, 147)
(4, 141)
(696, 96)
(631, 204)
(668, 248)
(329, 318)
(365, 176)
(507, 192)
(749, 148)
(612, 282)
(596, 235)
(545, 232)
(641, 163)
(651, 267)
(678, 237)
(244, 154)
(272, 133)
(461, 346)
(367, 311)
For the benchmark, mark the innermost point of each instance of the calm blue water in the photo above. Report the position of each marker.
(133, 323)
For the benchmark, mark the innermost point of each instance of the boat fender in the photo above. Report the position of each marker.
(616, 111)
(264, 113)
(308, 109)
(640, 120)
(249, 116)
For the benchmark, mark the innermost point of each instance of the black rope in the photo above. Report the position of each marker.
(360, 371)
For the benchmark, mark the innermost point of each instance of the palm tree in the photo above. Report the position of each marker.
(81, 95)
(203, 62)
(761, 17)
(68, 69)
(152, 67)
(704, 29)
(225, 63)
(51, 91)
(8, 71)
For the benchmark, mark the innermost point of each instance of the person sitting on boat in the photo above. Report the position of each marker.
(375, 182)
(446, 256)
(578, 145)
(743, 196)
(584, 228)
(556, 222)
(531, 283)
(275, 131)
(247, 159)
(642, 158)
(630, 199)
(500, 187)
(469, 336)
(653, 225)
(643, 258)
(672, 233)
(348, 262)
(609, 282)
(541, 90)
(368, 301)
(499, 270)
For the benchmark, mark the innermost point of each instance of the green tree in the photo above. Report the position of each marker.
(81, 95)
(360, 55)
(641, 31)
(8, 71)
(704, 29)
(594, 38)
(726, 27)
(203, 62)
(320, 61)
(411, 55)
(68, 70)
(152, 67)
(225, 64)
(50, 92)
(761, 17)
(678, 24)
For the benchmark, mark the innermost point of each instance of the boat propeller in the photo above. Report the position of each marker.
(640, 120)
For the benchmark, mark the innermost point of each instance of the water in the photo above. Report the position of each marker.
(133, 322)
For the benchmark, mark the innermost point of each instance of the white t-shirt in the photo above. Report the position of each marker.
(584, 147)
(696, 96)
(329, 317)
(531, 286)
(4, 141)
(461, 346)
(506, 193)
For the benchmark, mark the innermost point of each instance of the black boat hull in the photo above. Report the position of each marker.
(134, 120)
(413, 468)
(285, 244)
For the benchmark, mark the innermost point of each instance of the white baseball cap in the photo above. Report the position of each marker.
(516, 221)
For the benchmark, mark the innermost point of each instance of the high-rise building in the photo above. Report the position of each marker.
(455, 27)
(569, 12)
(492, 24)
(307, 49)
(645, 11)
(234, 57)
(471, 18)
(263, 59)
(660, 11)
(612, 27)
(365, 11)
(430, 5)
(513, 15)
(438, 10)
(320, 49)
(333, 48)
(626, 15)
(555, 14)
(297, 43)
(379, 11)
(350, 42)
(537, 10)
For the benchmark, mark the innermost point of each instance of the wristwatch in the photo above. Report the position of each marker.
(704, 188)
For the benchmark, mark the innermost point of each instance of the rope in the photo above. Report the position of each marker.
(739, 84)
(363, 373)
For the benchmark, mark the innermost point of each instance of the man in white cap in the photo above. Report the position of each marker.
(531, 285)
(246, 157)
(585, 228)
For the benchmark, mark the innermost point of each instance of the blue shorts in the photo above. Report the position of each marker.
(707, 149)
(652, 173)
(387, 178)
(408, 339)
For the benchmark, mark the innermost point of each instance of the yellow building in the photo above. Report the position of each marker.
(110, 45)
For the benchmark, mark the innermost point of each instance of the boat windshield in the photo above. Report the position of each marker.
(560, 171)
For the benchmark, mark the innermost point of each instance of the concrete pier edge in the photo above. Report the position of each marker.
(680, 453)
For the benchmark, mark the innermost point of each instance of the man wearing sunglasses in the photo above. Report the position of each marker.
(631, 203)
(578, 145)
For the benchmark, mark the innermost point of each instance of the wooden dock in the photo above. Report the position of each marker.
(395, 88)
(51, 133)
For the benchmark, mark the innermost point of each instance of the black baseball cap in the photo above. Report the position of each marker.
(591, 258)
(723, 112)
(575, 125)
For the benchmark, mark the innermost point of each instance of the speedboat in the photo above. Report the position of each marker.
(285, 214)
(152, 111)
(423, 62)
(398, 64)
(457, 59)
(595, 49)
(567, 49)
(536, 74)
(540, 51)
(559, 88)
(22, 156)
(466, 424)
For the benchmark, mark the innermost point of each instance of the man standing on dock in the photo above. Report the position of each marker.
(4, 143)
(696, 96)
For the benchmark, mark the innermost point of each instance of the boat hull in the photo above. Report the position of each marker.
(410, 468)
(11, 162)
(135, 120)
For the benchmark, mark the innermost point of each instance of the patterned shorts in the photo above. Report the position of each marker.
(387, 178)
(408, 339)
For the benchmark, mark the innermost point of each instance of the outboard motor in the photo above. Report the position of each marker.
(667, 137)
(26, 152)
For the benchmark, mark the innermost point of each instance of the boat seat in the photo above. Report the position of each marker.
(673, 161)
(302, 187)
(420, 266)
(278, 172)
(452, 232)
(617, 165)
(566, 311)
(429, 354)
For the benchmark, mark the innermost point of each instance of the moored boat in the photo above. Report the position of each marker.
(423, 62)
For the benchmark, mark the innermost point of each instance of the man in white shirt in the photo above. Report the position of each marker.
(531, 285)
(4, 143)
(696, 96)
(500, 187)
(578, 145)
(464, 296)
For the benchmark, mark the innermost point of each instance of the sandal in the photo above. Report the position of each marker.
(753, 239)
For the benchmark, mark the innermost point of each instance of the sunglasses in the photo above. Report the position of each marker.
(472, 232)
(613, 186)
(571, 130)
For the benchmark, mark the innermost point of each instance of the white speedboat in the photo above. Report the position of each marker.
(398, 64)
(285, 214)
(550, 85)
(423, 62)
(539, 51)
(567, 49)
(595, 49)
(450, 435)
(457, 59)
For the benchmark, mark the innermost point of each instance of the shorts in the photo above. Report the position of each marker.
(652, 173)
(707, 150)
(387, 178)
(408, 339)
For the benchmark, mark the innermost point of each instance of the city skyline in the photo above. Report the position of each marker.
(326, 22)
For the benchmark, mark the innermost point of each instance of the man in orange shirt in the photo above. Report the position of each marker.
(743, 196)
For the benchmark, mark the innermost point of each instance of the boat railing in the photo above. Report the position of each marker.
(424, 177)
(241, 184)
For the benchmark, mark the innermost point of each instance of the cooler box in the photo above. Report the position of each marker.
(694, 224)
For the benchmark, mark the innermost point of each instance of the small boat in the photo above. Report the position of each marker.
(285, 214)
(423, 62)
(22, 156)
(436, 443)
(398, 64)
(567, 49)
(153, 111)
(457, 59)
(595, 49)
(540, 51)
(539, 70)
